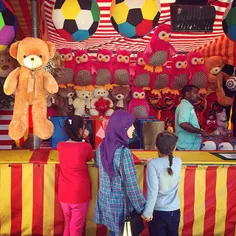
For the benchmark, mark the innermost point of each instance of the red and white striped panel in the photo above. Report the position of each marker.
(5, 119)
(107, 37)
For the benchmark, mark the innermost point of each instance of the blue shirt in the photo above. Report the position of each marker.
(162, 188)
(185, 113)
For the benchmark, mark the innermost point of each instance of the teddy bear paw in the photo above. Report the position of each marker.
(44, 129)
(16, 130)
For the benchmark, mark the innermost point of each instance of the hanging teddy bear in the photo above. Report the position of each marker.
(31, 83)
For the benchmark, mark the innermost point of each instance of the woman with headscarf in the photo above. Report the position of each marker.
(110, 207)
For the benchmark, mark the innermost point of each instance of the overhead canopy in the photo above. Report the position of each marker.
(107, 37)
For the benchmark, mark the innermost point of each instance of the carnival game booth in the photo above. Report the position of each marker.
(109, 53)
(30, 206)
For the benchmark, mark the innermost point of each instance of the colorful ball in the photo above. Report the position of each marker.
(229, 21)
(76, 20)
(8, 25)
(134, 19)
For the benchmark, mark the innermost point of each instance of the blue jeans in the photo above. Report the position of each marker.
(164, 223)
(112, 233)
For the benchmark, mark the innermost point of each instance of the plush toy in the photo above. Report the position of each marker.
(84, 71)
(198, 71)
(7, 63)
(179, 73)
(31, 82)
(103, 68)
(222, 124)
(160, 82)
(121, 70)
(63, 100)
(215, 78)
(82, 103)
(64, 75)
(54, 63)
(138, 105)
(142, 78)
(101, 104)
(120, 95)
(67, 58)
(158, 50)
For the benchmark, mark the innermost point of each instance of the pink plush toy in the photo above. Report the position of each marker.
(121, 71)
(84, 71)
(103, 68)
(138, 105)
(222, 123)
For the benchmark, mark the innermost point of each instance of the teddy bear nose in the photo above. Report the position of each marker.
(32, 59)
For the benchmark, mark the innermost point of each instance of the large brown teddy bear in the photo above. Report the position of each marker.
(31, 83)
(216, 77)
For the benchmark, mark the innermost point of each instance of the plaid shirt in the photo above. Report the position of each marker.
(110, 206)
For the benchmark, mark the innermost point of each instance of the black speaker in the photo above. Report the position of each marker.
(192, 2)
(192, 18)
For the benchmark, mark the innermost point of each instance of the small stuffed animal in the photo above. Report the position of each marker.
(31, 82)
(121, 68)
(215, 78)
(82, 103)
(65, 75)
(101, 104)
(103, 68)
(179, 73)
(158, 50)
(142, 78)
(160, 82)
(84, 71)
(138, 105)
(222, 123)
(120, 95)
(198, 71)
(7, 63)
(63, 100)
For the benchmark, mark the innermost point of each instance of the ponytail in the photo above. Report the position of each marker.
(166, 143)
(169, 170)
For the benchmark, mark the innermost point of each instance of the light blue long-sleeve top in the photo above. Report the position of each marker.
(162, 188)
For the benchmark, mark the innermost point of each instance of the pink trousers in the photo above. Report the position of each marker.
(75, 216)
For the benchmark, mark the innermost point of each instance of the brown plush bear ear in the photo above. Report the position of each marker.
(13, 49)
(51, 49)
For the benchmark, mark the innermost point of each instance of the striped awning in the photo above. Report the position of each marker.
(107, 37)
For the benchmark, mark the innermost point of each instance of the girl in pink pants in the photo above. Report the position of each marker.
(74, 187)
(75, 216)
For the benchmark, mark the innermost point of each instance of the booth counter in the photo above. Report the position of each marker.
(29, 185)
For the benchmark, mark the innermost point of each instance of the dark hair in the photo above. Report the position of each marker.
(72, 126)
(166, 142)
(187, 89)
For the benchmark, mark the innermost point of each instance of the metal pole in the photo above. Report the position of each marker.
(34, 15)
